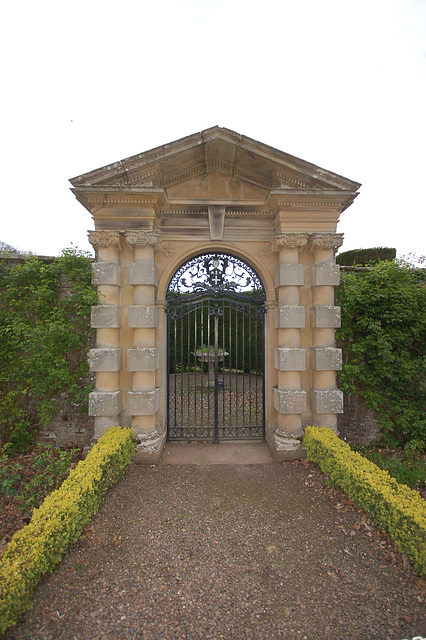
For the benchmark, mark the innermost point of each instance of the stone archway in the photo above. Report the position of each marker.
(215, 191)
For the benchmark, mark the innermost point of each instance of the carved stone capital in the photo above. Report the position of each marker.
(289, 240)
(327, 240)
(142, 238)
(104, 239)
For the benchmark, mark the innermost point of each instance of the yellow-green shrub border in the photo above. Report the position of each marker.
(57, 524)
(396, 508)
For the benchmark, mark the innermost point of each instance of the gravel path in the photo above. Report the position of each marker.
(227, 551)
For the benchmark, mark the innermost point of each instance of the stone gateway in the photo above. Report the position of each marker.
(258, 229)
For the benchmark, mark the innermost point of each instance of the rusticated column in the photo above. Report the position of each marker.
(143, 357)
(326, 399)
(290, 400)
(105, 360)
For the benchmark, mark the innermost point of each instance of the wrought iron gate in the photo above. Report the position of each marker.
(215, 351)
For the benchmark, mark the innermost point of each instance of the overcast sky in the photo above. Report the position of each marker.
(339, 83)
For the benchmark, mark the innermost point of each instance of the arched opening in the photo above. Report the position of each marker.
(215, 350)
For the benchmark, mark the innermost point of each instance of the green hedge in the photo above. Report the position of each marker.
(57, 524)
(396, 508)
(365, 256)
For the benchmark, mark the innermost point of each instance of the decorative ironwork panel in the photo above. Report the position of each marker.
(215, 351)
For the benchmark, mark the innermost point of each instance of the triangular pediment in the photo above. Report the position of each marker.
(215, 164)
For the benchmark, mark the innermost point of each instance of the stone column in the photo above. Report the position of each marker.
(290, 400)
(105, 360)
(143, 357)
(326, 399)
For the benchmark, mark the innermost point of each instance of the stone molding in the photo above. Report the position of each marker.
(327, 400)
(290, 402)
(105, 239)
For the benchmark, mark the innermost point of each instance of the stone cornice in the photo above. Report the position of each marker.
(309, 199)
(99, 197)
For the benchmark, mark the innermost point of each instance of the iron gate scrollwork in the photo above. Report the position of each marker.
(215, 310)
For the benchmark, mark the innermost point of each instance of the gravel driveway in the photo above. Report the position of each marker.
(228, 551)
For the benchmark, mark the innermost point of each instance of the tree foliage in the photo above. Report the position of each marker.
(383, 339)
(44, 338)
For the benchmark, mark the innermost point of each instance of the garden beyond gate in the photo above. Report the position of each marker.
(215, 350)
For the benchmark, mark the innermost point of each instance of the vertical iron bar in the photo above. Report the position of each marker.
(249, 360)
(216, 362)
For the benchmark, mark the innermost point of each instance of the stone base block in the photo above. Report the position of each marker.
(327, 401)
(106, 273)
(105, 359)
(149, 448)
(289, 317)
(290, 275)
(105, 403)
(326, 275)
(326, 317)
(326, 359)
(105, 317)
(285, 448)
(143, 316)
(143, 403)
(289, 359)
(290, 401)
(143, 359)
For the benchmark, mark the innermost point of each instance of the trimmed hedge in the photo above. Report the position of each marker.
(365, 256)
(396, 508)
(57, 524)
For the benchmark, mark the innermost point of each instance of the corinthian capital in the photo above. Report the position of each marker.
(290, 240)
(142, 238)
(327, 240)
(104, 239)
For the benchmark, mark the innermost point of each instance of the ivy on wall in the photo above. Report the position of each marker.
(383, 340)
(44, 338)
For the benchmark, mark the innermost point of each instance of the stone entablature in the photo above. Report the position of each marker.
(215, 191)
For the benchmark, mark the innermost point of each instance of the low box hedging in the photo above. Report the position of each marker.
(57, 524)
(396, 508)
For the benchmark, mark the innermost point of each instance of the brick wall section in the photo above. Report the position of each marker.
(358, 424)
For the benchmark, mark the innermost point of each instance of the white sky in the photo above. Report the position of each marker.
(339, 83)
